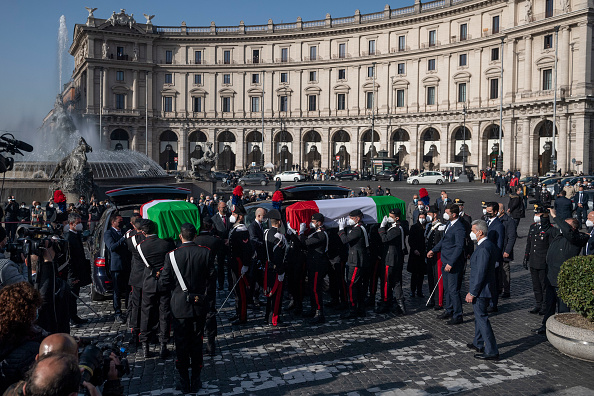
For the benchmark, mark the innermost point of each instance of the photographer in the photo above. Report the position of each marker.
(11, 210)
(10, 272)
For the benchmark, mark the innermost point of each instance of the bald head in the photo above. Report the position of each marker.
(260, 212)
(56, 374)
(58, 343)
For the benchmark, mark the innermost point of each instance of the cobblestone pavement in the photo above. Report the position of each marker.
(381, 354)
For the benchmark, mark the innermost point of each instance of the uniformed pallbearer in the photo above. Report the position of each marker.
(535, 258)
(190, 273)
(276, 248)
(134, 237)
(392, 258)
(241, 258)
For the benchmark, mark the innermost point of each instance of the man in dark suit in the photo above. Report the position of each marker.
(256, 230)
(581, 200)
(563, 206)
(515, 206)
(240, 257)
(496, 234)
(451, 247)
(136, 279)
(442, 203)
(76, 266)
(189, 272)
(510, 236)
(119, 261)
(222, 226)
(481, 288)
(155, 300)
(589, 249)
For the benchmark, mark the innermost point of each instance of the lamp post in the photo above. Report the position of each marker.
(146, 115)
(553, 167)
(262, 104)
(463, 176)
(500, 154)
(101, 77)
(372, 119)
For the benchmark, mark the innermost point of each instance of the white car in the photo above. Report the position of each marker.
(429, 177)
(293, 176)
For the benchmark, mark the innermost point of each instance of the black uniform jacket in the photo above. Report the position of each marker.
(537, 244)
(565, 244)
(358, 240)
(392, 237)
(316, 244)
(242, 251)
(276, 247)
(154, 250)
(137, 267)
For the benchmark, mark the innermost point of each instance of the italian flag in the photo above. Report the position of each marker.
(169, 215)
(374, 209)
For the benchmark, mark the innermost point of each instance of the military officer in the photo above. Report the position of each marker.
(190, 274)
(433, 234)
(276, 248)
(133, 238)
(467, 220)
(535, 257)
(241, 255)
(392, 258)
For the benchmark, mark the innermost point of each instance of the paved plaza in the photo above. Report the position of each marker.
(381, 354)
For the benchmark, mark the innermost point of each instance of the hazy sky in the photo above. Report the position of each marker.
(29, 30)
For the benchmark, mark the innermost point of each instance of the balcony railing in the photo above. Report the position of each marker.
(122, 57)
(432, 5)
(129, 112)
(395, 50)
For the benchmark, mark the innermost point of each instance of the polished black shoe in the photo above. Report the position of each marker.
(445, 315)
(370, 302)
(183, 382)
(298, 311)
(384, 308)
(492, 309)
(454, 321)
(332, 304)
(505, 295)
(238, 322)
(470, 345)
(318, 318)
(121, 318)
(309, 314)
(541, 313)
(534, 310)
(482, 356)
(163, 352)
(146, 352)
(78, 320)
(196, 384)
(361, 313)
(431, 305)
(351, 314)
(210, 348)
(438, 307)
(421, 295)
(540, 330)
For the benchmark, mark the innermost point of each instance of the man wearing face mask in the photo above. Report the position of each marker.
(419, 208)
(222, 226)
(417, 265)
(433, 234)
(256, 230)
(509, 240)
(451, 247)
(77, 264)
(589, 250)
(240, 259)
(496, 234)
(469, 245)
(535, 257)
(83, 208)
(136, 279)
(392, 259)
(119, 263)
(442, 203)
(411, 207)
(355, 236)
(581, 200)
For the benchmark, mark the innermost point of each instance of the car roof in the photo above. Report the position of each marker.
(138, 195)
(310, 191)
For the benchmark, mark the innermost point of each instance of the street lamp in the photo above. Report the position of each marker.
(463, 176)
(500, 154)
(553, 156)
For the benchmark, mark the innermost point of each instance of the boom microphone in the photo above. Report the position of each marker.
(18, 144)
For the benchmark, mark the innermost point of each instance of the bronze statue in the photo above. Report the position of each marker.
(201, 167)
(74, 171)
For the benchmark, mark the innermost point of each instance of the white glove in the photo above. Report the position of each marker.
(281, 277)
(244, 269)
(384, 222)
(278, 235)
(128, 233)
(341, 223)
(290, 231)
(302, 228)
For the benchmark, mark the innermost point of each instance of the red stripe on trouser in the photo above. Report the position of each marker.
(315, 290)
(351, 286)
(386, 284)
(277, 303)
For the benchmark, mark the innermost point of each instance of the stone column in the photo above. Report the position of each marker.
(239, 149)
(528, 64)
(508, 144)
(324, 149)
(149, 87)
(133, 138)
(509, 66)
(562, 142)
(182, 149)
(414, 147)
(90, 89)
(525, 146)
(475, 130)
(444, 145)
(563, 62)
(135, 90)
(267, 149)
(105, 89)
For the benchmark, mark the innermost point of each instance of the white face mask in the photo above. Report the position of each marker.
(421, 207)
(422, 220)
(232, 219)
(429, 218)
(446, 216)
(51, 205)
(537, 219)
(390, 220)
(485, 212)
(351, 222)
(589, 223)
(78, 227)
(312, 225)
(473, 236)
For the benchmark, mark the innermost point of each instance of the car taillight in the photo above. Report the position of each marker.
(99, 262)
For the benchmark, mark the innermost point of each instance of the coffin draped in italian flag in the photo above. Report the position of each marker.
(374, 209)
(169, 215)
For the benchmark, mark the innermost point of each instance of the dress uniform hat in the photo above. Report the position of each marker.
(356, 213)
(317, 217)
(396, 212)
(273, 214)
(239, 209)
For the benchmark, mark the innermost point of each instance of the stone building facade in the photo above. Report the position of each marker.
(309, 93)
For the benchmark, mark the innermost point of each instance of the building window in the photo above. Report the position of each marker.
(548, 41)
(120, 53)
(168, 78)
(169, 57)
(463, 32)
(198, 79)
(431, 64)
(370, 70)
(495, 54)
(400, 98)
(371, 46)
(226, 78)
(401, 43)
(495, 27)
(197, 104)
(341, 102)
(284, 77)
(168, 103)
(494, 88)
(255, 78)
(549, 4)
(311, 102)
(432, 38)
(313, 52)
(198, 57)
(313, 76)
(430, 96)
(401, 68)
(227, 57)
(255, 104)
(547, 79)
(120, 101)
(284, 54)
(342, 50)
(255, 56)
(226, 104)
(120, 75)
(284, 101)
(369, 100)
(463, 60)
(342, 74)
(462, 92)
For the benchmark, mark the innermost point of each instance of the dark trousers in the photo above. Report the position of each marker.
(582, 215)
(338, 287)
(397, 276)
(483, 332)
(134, 309)
(155, 307)
(517, 221)
(188, 335)
(451, 285)
(10, 230)
(296, 282)
(506, 276)
(539, 287)
(355, 287)
(221, 258)
(386, 275)
(117, 291)
(499, 282)
(273, 290)
(416, 283)
(432, 278)
(240, 293)
(73, 301)
(316, 288)
(376, 268)
(552, 302)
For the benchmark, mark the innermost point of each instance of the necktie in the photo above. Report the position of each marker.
(580, 197)
(447, 228)
(224, 220)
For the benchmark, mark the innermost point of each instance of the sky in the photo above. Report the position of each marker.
(29, 68)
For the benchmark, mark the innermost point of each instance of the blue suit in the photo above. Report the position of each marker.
(496, 234)
(119, 263)
(451, 247)
(482, 287)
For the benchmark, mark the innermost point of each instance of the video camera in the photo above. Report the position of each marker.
(12, 146)
(540, 207)
(31, 240)
(94, 362)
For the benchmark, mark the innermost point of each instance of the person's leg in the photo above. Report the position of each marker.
(454, 287)
(551, 302)
(537, 288)
(487, 335)
(148, 317)
(506, 278)
(164, 316)
(117, 298)
(134, 315)
(182, 332)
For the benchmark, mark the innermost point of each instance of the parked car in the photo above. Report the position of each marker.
(125, 200)
(220, 176)
(428, 177)
(531, 183)
(253, 179)
(346, 175)
(550, 184)
(385, 175)
(289, 176)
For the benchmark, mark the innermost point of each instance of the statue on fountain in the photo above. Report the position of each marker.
(201, 168)
(74, 172)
